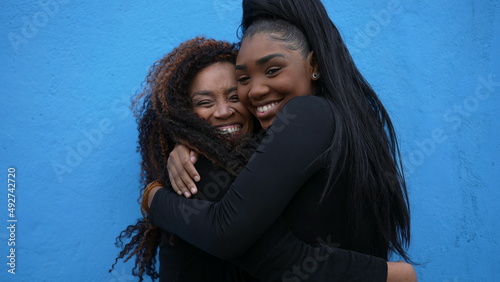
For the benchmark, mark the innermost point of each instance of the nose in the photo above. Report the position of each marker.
(258, 90)
(223, 110)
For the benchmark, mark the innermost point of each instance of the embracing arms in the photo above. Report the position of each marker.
(290, 153)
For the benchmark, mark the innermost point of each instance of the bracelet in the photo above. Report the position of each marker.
(145, 196)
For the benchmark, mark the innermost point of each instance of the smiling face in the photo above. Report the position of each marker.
(269, 74)
(214, 98)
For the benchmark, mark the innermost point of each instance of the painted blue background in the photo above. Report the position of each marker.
(69, 68)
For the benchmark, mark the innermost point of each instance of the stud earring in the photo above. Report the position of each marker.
(315, 76)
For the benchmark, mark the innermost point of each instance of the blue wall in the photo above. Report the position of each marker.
(69, 68)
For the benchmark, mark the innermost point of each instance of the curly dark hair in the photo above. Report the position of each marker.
(165, 117)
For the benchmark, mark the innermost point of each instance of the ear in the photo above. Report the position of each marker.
(312, 66)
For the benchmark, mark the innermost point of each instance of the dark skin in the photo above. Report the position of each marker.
(214, 99)
(269, 74)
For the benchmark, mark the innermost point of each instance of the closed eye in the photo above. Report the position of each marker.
(203, 103)
(234, 98)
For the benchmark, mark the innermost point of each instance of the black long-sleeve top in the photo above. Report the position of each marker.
(274, 201)
(181, 261)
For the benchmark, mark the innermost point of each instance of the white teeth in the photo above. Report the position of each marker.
(230, 130)
(265, 108)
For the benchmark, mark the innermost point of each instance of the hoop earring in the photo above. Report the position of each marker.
(315, 76)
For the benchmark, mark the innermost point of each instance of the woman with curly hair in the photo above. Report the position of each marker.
(189, 96)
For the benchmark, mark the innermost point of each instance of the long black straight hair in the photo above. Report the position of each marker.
(368, 154)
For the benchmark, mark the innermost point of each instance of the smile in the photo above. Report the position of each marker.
(229, 129)
(265, 108)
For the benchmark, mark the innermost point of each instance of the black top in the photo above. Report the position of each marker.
(286, 176)
(181, 261)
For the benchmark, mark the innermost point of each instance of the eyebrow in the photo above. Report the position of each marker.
(209, 93)
(261, 61)
(202, 93)
(231, 89)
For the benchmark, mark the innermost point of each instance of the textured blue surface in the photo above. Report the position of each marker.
(69, 68)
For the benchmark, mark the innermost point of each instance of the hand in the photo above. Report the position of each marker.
(400, 271)
(181, 170)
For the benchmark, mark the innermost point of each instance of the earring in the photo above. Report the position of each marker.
(315, 76)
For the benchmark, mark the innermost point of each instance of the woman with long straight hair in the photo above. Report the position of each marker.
(328, 166)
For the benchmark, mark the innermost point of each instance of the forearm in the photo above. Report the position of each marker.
(279, 256)
(191, 219)
(282, 164)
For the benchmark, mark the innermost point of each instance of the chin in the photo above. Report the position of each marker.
(266, 125)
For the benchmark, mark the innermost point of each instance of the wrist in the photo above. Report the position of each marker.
(400, 271)
(151, 195)
(148, 195)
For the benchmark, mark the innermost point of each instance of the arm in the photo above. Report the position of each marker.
(280, 256)
(288, 156)
(276, 260)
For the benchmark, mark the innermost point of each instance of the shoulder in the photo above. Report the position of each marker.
(305, 102)
(311, 105)
(306, 109)
(303, 119)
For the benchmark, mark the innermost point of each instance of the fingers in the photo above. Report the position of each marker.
(176, 182)
(187, 175)
(194, 157)
(189, 166)
(181, 170)
(175, 172)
